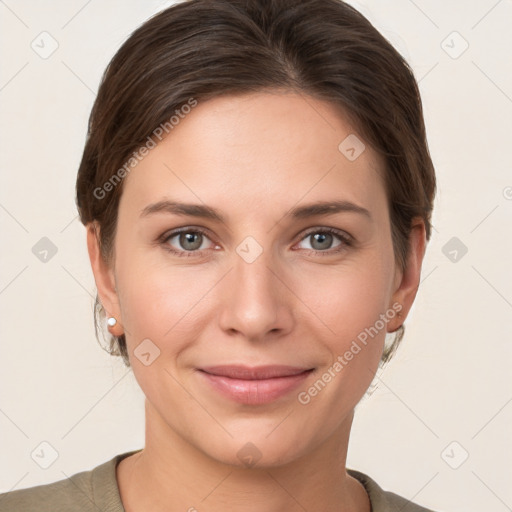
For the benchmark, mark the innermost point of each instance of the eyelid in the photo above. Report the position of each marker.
(185, 229)
(328, 229)
(346, 241)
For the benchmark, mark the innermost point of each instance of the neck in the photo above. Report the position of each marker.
(172, 475)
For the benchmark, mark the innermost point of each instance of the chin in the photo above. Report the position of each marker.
(256, 451)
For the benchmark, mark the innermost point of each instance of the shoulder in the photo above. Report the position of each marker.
(57, 496)
(385, 501)
(86, 491)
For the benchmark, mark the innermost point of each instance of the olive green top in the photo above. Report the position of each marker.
(96, 490)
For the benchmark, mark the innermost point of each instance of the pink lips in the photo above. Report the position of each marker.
(254, 385)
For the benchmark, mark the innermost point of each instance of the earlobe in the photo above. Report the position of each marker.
(104, 279)
(406, 286)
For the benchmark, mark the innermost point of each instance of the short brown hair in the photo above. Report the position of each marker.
(208, 48)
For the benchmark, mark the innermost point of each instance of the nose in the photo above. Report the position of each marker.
(258, 303)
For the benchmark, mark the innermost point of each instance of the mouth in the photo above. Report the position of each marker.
(254, 385)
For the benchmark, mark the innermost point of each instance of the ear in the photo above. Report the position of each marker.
(104, 278)
(406, 283)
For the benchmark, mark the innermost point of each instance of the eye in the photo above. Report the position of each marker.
(188, 241)
(322, 239)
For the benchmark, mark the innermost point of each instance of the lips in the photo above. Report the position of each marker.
(254, 385)
(254, 373)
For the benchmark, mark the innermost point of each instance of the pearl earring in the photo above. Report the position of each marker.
(111, 321)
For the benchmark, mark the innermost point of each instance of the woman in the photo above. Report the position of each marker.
(257, 191)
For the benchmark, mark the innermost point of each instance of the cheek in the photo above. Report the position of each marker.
(162, 302)
(349, 308)
(165, 306)
(344, 300)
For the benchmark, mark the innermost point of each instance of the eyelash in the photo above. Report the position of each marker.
(344, 238)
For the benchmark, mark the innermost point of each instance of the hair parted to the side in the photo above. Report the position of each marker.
(203, 49)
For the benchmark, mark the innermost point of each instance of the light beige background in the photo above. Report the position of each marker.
(450, 380)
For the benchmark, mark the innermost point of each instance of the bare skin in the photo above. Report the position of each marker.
(301, 302)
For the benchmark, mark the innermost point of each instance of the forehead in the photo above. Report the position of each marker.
(249, 152)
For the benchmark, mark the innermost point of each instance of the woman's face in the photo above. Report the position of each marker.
(272, 283)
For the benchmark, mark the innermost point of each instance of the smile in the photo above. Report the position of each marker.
(256, 385)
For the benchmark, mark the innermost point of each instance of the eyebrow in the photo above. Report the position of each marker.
(299, 212)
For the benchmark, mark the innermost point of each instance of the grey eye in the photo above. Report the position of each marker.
(321, 241)
(187, 241)
(190, 241)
